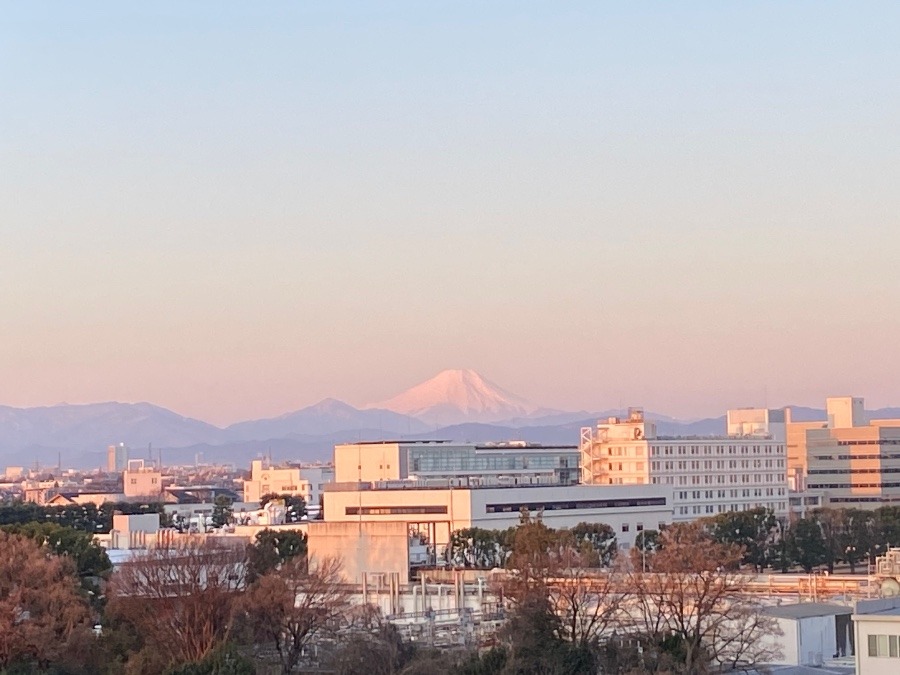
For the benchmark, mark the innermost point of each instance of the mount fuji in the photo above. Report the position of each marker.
(456, 396)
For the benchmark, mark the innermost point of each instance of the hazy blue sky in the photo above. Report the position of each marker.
(236, 209)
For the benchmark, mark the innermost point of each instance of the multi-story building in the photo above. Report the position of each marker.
(116, 458)
(436, 511)
(304, 480)
(514, 463)
(140, 481)
(846, 460)
(708, 475)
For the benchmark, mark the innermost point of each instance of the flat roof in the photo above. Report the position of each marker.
(804, 610)
(400, 441)
(893, 611)
(499, 445)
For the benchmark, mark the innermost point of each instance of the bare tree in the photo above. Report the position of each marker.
(297, 604)
(41, 611)
(587, 601)
(690, 603)
(181, 599)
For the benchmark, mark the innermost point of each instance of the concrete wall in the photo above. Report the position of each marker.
(142, 483)
(364, 548)
(816, 639)
(367, 462)
(462, 508)
(873, 625)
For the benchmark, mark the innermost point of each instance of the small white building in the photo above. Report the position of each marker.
(812, 632)
(438, 510)
(877, 630)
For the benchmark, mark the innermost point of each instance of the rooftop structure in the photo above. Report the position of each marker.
(760, 422)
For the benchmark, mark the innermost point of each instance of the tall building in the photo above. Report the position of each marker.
(116, 458)
(707, 475)
(846, 460)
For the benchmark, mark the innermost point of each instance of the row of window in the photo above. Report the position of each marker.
(668, 450)
(393, 510)
(846, 458)
(813, 472)
(579, 504)
(719, 464)
(719, 480)
(848, 486)
(879, 441)
(884, 646)
(724, 494)
(701, 509)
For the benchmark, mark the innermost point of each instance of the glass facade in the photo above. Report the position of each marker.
(558, 464)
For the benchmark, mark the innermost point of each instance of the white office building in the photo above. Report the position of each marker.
(708, 475)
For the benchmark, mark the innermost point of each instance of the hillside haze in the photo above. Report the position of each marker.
(458, 405)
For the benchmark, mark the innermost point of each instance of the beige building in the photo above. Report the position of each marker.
(844, 459)
(304, 480)
(707, 475)
(513, 463)
(140, 481)
(437, 511)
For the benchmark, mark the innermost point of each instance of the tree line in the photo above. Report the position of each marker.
(83, 517)
(573, 604)
(825, 538)
(674, 607)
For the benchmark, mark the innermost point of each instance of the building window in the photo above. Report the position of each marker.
(625, 527)
(884, 646)
(392, 510)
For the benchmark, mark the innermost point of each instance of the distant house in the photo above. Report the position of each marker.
(68, 498)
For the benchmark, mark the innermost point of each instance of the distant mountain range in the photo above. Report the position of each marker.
(455, 404)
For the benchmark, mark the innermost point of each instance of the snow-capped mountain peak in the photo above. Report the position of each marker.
(454, 396)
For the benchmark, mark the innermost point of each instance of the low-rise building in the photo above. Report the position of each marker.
(811, 632)
(302, 480)
(141, 482)
(877, 633)
(436, 511)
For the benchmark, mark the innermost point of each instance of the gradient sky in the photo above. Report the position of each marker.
(236, 209)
